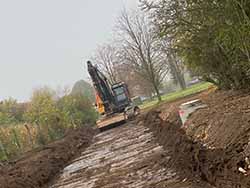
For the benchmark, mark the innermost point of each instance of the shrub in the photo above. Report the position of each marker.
(11, 112)
(43, 113)
(48, 118)
(77, 110)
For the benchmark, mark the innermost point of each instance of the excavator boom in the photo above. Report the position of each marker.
(102, 88)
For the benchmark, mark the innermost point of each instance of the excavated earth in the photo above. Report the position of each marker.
(36, 168)
(215, 141)
(127, 156)
(155, 151)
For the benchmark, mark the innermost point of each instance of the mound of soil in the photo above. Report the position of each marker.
(183, 151)
(36, 168)
(225, 125)
(224, 122)
(216, 141)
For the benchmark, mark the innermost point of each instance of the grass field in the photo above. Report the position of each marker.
(178, 94)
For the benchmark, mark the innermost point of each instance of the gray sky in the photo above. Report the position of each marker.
(46, 42)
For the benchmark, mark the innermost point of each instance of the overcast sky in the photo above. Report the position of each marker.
(47, 42)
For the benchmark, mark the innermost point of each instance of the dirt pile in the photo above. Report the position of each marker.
(183, 151)
(212, 148)
(215, 143)
(225, 125)
(37, 168)
(223, 122)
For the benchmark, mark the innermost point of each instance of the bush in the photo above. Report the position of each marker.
(11, 112)
(77, 110)
(48, 118)
(54, 115)
(43, 112)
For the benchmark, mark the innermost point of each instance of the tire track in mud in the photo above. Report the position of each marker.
(128, 156)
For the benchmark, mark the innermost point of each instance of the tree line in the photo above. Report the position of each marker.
(211, 37)
(166, 38)
(45, 118)
(46, 107)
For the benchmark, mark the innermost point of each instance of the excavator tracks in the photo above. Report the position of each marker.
(123, 157)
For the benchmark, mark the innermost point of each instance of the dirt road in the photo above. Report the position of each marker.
(127, 156)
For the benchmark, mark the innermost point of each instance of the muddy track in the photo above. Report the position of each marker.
(127, 156)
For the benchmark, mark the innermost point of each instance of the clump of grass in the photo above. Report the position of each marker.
(17, 139)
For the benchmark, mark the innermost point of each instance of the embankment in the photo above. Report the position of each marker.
(36, 168)
(215, 143)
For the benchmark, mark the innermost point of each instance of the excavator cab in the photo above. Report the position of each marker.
(121, 95)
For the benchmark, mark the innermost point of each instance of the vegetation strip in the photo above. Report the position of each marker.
(46, 118)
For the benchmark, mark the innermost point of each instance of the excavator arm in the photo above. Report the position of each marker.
(102, 88)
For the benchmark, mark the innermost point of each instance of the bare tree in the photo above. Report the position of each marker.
(139, 46)
(106, 58)
(136, 84)
(177, 70)
(176, 66)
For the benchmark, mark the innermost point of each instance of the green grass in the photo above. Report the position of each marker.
(178, 94)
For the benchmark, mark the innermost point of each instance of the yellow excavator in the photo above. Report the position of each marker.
(113, 101)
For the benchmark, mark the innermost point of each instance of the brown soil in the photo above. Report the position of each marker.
(36, 168)
(128, 156)
(225, 127)
(215, 142)
(209, 149)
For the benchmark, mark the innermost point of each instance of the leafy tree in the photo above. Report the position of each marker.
(43, 112)
(212, 37)
(11, 112)
(42, 108)
(77, 110)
